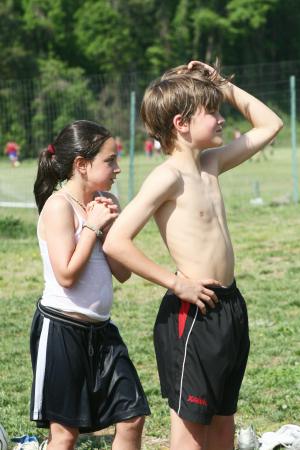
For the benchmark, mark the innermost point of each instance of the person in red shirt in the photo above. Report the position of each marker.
(119, 145)
(12, 150)
(148, 147)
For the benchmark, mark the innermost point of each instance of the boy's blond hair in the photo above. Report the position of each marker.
(179, 91)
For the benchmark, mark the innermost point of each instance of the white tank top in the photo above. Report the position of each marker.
(91, 295)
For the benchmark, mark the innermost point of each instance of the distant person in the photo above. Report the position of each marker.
(84, 379)
(12, 150)
(119, 145)
(201, 331)
(148, 147)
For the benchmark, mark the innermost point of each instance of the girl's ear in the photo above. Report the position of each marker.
(180, 125)
(80, 164)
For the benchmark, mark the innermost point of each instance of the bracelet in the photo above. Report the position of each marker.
(99, 232)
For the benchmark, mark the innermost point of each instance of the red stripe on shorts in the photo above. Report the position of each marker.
(182, 316)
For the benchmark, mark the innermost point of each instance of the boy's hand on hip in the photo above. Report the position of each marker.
(196, 292)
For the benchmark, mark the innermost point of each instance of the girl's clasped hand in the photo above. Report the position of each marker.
(101, 213)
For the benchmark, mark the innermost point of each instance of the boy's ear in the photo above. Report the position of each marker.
(180, 124)
(80, 164)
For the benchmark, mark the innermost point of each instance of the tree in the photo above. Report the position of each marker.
(103, 37)
(51, 27)
(61, 95)
(16, 55)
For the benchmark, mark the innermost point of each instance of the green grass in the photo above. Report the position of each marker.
(267, 247)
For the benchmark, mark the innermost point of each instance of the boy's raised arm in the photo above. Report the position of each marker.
(265, 126)
(160, 186)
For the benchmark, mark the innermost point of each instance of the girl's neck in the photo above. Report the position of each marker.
(78, 193)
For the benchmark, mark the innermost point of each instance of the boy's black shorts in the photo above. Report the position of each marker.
(83, 376)
(202, 359)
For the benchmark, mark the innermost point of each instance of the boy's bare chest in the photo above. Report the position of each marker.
(197, 206)
(201, 196)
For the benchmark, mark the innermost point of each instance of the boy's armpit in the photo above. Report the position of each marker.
(241, 149)
(160, 186)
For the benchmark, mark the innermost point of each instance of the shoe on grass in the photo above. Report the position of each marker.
(25, 442)
(43, 445)
(247, 439)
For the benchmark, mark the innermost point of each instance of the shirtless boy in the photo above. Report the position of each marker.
(201, 331)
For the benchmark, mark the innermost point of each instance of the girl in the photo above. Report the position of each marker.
(84, 379)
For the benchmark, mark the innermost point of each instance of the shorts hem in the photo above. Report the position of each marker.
(203, 419)
(226, 413)
(85, 427)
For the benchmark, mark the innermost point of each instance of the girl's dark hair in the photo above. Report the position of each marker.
(80, 138)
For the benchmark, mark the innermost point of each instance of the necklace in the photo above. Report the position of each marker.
(77, 201)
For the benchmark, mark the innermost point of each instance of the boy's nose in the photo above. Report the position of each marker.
(221, 119)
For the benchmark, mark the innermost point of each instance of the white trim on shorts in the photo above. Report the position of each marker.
(184, 359)
(40, 370)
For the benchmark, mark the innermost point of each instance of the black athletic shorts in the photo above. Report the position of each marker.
(202, 358)
(83, 376)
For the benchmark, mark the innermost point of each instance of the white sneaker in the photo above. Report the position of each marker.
(27, 446)
(43, 445)
(296, 445)
(287, 436)
(3, 438)
(247, 439)
(26, 442)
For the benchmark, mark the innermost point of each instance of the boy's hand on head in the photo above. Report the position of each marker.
(196, 292)
(211, 72)
(193, 64)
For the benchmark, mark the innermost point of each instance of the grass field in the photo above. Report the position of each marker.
(267, 247)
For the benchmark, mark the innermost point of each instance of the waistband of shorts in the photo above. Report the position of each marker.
(224, 291)
(56, 315)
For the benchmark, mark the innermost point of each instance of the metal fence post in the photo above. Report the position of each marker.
(132, 145)
(294, 139)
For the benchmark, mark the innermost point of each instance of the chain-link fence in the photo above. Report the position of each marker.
(33, 111)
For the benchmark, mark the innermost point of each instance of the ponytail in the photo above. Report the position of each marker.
(47, 178)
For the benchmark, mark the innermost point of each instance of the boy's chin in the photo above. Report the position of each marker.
(218, 141)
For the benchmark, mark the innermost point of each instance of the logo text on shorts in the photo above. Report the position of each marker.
(198, 400)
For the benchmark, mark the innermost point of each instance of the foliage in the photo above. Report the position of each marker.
(115, 36)
(13, 227)
(63, 91)
(57, 48)
(102, 36)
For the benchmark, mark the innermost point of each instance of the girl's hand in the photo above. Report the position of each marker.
(109, 203)
(99, 214)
